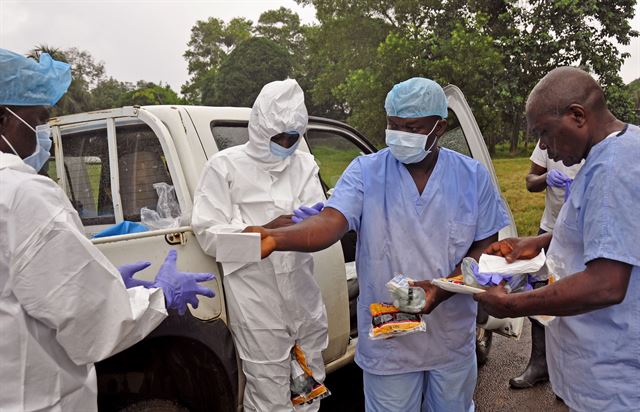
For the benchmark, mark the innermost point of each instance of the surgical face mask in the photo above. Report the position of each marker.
(281, 151)
(408, 147)
(43, 144)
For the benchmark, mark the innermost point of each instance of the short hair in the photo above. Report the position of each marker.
(563, 87)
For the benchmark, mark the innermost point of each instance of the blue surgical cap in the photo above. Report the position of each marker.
(28, 82)
(416, 97)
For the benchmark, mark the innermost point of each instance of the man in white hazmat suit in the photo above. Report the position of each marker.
(63, 305)
(275, 303)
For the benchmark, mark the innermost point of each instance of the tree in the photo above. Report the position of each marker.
(496, 50)
(148, 93)
(211, 41)
(254, 63)
(109, 93)
(282, 26)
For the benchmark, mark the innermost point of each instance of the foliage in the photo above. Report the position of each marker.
(525, 206)
(210, 43)
(148, 93)
(494, 50)
(247, 69)
(108, 93)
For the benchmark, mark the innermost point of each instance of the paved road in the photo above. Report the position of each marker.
(507, 359)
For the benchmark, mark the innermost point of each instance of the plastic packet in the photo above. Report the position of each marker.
(387, 321)
(405, 297)
(167, 213)
(303, 386)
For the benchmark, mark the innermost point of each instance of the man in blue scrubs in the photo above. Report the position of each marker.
(418, 209)
(593, 346)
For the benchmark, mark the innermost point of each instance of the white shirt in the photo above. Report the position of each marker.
(63, 305)
(555, 195)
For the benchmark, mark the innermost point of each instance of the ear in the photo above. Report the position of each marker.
(442, 127)
(577, 113)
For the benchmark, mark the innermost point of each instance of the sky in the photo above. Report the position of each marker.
(145, 39)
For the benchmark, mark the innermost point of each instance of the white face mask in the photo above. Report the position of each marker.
(43, 144)
(408, 147)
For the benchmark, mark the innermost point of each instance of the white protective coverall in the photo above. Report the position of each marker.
(63, 305)
(276, 302)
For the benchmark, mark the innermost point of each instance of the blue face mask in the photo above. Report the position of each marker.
(43, 144)
(408, 147)
(282, 152)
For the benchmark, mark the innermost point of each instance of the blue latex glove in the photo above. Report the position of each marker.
(127, 272)
(305, 212)
(556, 178)
(181, 288)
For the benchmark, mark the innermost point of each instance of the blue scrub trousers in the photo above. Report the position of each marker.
(441, 390)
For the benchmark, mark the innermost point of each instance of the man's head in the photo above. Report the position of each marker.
(565, 110)
(27, 86)
(417, 106)
(278, 120)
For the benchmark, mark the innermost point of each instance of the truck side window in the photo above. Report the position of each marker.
(228, 134)
(86, 166)
(454, 138)
(333, 152)
(141, 163)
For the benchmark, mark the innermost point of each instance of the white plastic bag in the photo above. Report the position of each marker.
(167, 213)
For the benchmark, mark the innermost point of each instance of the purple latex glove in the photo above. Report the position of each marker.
(127, 272)
(495, 279)
(305, 212)
(556, 178)
(181, 288)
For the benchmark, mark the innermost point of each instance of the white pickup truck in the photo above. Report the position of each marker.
(107, 162)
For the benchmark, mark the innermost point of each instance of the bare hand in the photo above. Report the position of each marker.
(267, 242)
(434, 295)
(515, 248)
(494, 301)
(280, 221)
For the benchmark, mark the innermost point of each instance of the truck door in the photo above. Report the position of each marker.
(107, 163)
(463, 136)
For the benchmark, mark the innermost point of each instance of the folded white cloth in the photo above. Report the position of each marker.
(498, 264)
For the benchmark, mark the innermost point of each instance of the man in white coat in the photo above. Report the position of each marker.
(63, 305)
(276, 303)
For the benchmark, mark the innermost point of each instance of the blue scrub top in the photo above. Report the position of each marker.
(594, 358)
(423, 236)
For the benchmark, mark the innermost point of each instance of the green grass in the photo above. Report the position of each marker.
(526, 207)
(333, 162)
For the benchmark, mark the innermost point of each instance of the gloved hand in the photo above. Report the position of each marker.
(181, 288)
(305, 212)
(473, 277)
(127, 272)
(556, 178)
(411, 300)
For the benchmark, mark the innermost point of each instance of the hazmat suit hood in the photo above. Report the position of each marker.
(278, 108)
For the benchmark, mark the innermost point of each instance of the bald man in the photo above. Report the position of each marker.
(593, 345)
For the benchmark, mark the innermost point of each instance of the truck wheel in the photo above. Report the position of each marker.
(483, 345)
(155, 405)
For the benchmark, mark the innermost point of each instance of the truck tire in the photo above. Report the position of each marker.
(484, 338)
